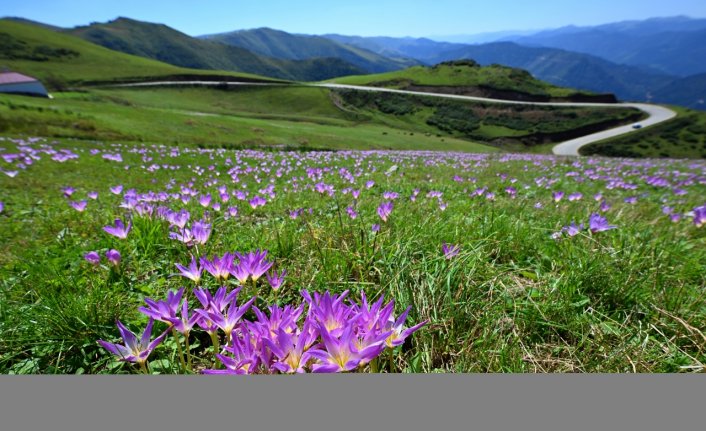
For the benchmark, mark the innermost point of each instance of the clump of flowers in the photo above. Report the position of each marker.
(596, 223)
(327, 333)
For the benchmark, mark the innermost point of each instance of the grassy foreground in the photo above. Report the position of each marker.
(523, 294)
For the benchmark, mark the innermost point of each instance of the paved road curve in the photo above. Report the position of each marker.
(656, 114)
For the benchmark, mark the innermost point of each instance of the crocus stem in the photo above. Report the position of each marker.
(143, 367)
(181, 353)
(188, 351)
(216, 348)
(392, 360)
(374, 368)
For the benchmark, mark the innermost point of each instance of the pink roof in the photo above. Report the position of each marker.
(14, 78)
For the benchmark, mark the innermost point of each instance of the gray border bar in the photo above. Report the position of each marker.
(356, 402)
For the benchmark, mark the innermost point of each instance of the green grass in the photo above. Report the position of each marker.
(513, 300)
(681, 137)
(209, 117)
(461, 75)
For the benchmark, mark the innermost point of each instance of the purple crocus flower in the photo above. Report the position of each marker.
(351, 213)
(163, 310)
(700, 216)
(201, 231)
(598, 223)
(254, 263)
(205, 200)
(275, 279)
(572, 229)
(92, 257)
(376, 228)
(184, 324)
(257, 201)
(339, 355)
(192, 272)
(280, 318)
(329, 310)
(557, 196)
(119, 230)
(134, 350)
(116, 190)
(384, 210)
(241, 271)
(113, 257)
(219, 267)
(227, 321)
(246, 355)
(68, 191)
(399, 332)
(449, 250)
(92, 195)
(289, 348)
(219, 301)
(179, 218)
(79, 206)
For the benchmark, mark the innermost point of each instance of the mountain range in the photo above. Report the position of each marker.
(658, 60)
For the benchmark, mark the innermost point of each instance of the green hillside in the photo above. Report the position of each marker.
(160, 42)
(298, 118)
(55, 57)
(565, 68)
(681, 137)
(282, 45)
(467, 77)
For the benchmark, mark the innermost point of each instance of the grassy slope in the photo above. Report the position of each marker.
(210, 117)
(92, 62)
(511, 127)
(500, 77)
(681, 137)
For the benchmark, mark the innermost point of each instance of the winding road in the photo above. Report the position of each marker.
(656, 114)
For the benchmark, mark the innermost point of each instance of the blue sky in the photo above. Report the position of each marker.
(361, 17)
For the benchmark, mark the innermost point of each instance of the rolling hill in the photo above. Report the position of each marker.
(567, 69)
(282, 45)
(469, 78)
(160, 42)
(52, 56)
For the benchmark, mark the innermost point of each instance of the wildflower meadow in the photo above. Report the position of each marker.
(143, 258)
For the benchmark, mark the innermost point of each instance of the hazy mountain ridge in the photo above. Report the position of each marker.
(674, 46)
(283, 45)
(163, 43)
